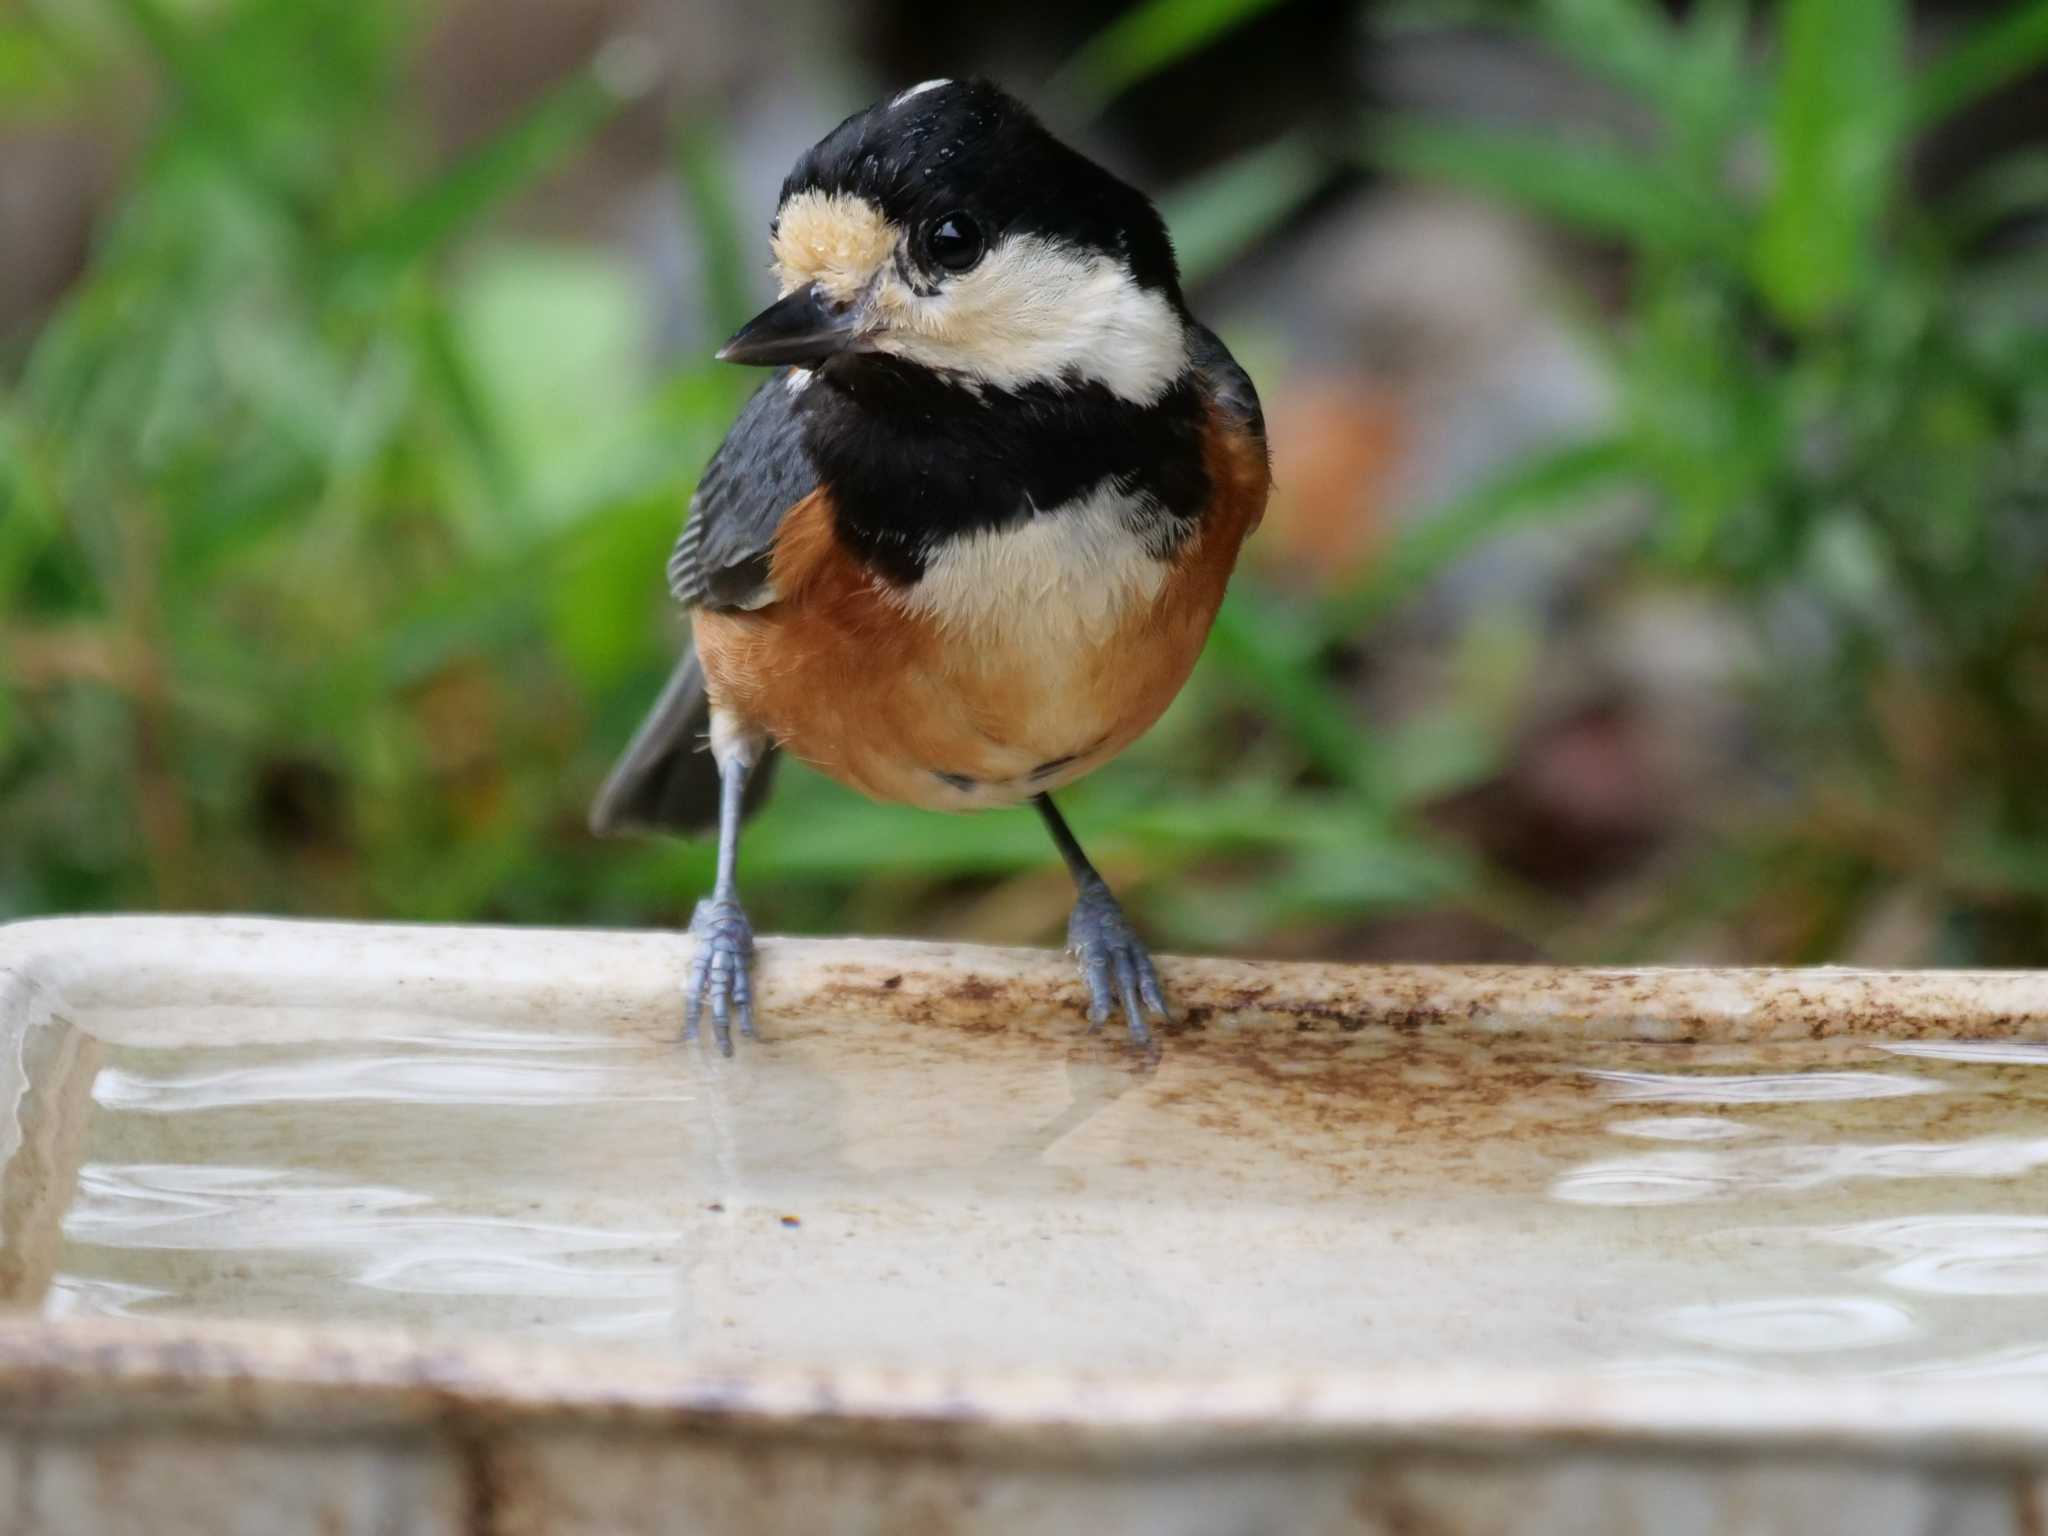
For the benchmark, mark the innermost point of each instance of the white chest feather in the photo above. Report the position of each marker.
(1058, 584)
(1029, 619)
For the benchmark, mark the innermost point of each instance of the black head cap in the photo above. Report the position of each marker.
(970, 145)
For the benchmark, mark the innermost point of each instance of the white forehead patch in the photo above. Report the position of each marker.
(917, 90)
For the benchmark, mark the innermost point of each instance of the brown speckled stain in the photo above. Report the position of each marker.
(482, 1499)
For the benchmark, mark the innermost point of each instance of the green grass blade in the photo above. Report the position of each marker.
(2010, 188)
(1993, 54)
(1144, 40)
(452, 380)
(1836, 134)
(1629, 42)
(34, 66)
(1596, 188)
(1218, 216)
(28, 522)
(704, 169)
(1713, 94)
(1320, 721)
(205, 81)
(1553, 484)
(508, 162)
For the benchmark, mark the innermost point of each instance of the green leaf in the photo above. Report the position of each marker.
(507, 163)
(1552, 484)
(1836, 136)
(2010, 188)
(1440, 753)
(858, 837)
(1983, 862)
(452, 379)
(1712, 95)
(31, 67)
(1362, 875)
(1594, 187)
(609, 588)
(1216, 217)
(206, 80)
(704, 167)
(1629, 42)
(554, 340)
(1258, 654)
(1142, 41)
(28, 522)
(1992, 55)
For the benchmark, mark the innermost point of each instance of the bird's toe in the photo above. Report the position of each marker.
(721, 971)
(1115, 965)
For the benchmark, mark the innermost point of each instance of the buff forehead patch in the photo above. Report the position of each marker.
(833, 239)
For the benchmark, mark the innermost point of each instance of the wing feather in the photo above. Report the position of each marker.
(759, 472)
(1229, 385)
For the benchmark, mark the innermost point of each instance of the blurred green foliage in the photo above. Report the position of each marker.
(332, 514)
(1835, 401)
(288, 542)
(332, 520)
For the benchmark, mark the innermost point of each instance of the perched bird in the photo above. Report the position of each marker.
(965, 545)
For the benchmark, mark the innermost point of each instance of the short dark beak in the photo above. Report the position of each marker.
(804, 328)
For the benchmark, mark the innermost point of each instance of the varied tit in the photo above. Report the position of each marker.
(966, 542)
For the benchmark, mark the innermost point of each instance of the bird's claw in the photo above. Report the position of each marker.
(723, 969)
(1115, 964)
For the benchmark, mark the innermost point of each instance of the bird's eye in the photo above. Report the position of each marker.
(953, 242)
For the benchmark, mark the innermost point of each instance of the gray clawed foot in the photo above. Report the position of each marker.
(722, 970)
(1115, 964)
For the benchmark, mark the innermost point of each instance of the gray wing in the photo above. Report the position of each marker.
(760, 471)
(665, 781)
(1229, 385)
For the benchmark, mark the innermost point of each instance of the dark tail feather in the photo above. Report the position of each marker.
(666, 780)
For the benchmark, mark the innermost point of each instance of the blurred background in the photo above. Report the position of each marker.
(1657, 569)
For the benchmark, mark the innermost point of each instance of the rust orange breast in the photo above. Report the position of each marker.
(908, 704)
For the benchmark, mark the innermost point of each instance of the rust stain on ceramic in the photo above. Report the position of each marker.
(1028, 990)
(2029, 1507)
(57, 1064)
(484, 1503)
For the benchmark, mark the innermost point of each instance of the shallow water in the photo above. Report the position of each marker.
(1270, 1201)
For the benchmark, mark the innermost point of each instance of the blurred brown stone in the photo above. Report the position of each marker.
(1337, 444)
(54, 179)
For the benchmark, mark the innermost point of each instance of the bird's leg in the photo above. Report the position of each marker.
(1114, 961)
(723, 965)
